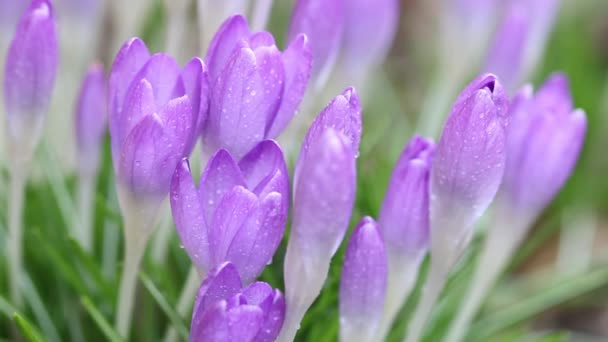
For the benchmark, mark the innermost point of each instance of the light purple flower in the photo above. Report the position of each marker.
(155, 112)
(10, 12)
(363, 284)
(255, 88)
(225, 312)
(323, 22)
(91, 118)
(238, 212)
(29, 75)
(468, 165)
(545, 138)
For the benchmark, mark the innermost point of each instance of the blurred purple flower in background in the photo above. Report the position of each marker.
(363, 284)
(255, 88)
(225, 312)
(238, 212)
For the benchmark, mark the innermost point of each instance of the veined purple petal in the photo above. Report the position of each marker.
(210, 325)
(554, 95)
(31, 65)
(233, 30)
(259, 294)
(244, 322)
(188, 217)
(273, 319)
(196, 83)
(91, 118)
(163, 74)
(223, 323)
(404, 216)
(231, 214)
(221, 175)
(260, 167)
(363, 283)
(253, 245)
(221, 283)
(324, 194)
(297, 59)
(323, 22)
(261, 39)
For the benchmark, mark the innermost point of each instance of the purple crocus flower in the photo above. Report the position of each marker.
(323, 22)
(255, 89)
(156, 112)
(320, 217)
(91, 118)
(29, 75)
(404, 223)
(224, 311)
(238, 212)
(363, 284)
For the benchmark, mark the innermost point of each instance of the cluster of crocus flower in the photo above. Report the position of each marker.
(241, 97)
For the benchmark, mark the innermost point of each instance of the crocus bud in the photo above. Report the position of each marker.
(255, 88)
(154, 114)
(369, 31)
(91, 117)
(320, 217)
(323, 22)
(468, 166)
(237, 214)
(545, 137)
(404, 223)
(363, 284)
(224, 311)
(29, 75)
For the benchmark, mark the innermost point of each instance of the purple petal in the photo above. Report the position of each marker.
(31, 65)
(233, 30)
(253, 245)
(91, 117)
(259, 294)
(404, 216)
(221, 175)
(297, 59)
(188, 217)
(323, 23)
(244, 322)
(222, 323)
(210, 325)
(363, 283)
(324, 194)
(264, 164)
(163, 73)
(554, 95)
(221, 283)
(260, 39)
(273, 319)
(196, 82)
(231, 214)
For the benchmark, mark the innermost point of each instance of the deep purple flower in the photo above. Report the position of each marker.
(225, 312)
(468, 165)
(545, 138)
(238, 212)
(323, 22)
(155, 113)
(363, 284)
(255, 88)
(29, 75)
(91, 118)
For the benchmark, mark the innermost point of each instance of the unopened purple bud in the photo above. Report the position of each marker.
(224, 311)
(544, 140)
(323, 22)
(91, 118)
(29, 75)
(237, 214)
(363, 284)
(404, 216)
(468, 165)
(369, 31)
(256, 89)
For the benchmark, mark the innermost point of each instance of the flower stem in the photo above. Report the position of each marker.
(86, 200)
(15, 234)
(186, 300)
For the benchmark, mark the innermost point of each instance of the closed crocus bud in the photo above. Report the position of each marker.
(29, 75)
(363, 284)
(320, 217)
(237, 214)
(91, 118)
(255, 88)
(323, 22)
(224, 311)
(404, 223)
(369, 31)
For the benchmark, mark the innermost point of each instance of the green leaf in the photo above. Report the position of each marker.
(94, 271)
(28, 330)
(101, 322)
(6, 307)
(174, 316)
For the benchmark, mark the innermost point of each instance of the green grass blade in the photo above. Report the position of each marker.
(28, 330)
(176, 320)
(40, 311)
(94, 271)
(101, 322)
